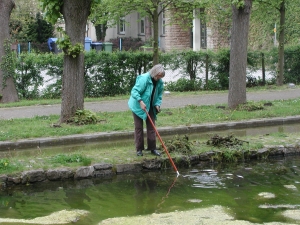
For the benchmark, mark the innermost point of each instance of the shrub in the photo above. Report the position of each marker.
(110, 74)
(128, 43)
(220, 68)
(183, 84)
(28, 76)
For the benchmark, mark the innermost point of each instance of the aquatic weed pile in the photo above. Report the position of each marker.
(179, 144)
(228, 141)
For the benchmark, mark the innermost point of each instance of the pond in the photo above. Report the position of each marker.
(257, 192)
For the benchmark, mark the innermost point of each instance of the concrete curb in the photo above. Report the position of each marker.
(114, 136)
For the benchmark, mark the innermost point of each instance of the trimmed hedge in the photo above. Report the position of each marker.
(109, 74)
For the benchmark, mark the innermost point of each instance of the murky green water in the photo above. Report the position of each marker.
(236, 187)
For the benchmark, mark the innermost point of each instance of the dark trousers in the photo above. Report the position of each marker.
(139, 133)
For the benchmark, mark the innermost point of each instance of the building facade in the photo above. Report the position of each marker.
(172, 36)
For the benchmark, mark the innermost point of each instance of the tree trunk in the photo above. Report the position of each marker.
(238, 54)
(75, 13)
(148, 29)
(101, 31)
(280, 66)
(8, 92)
(155, 36)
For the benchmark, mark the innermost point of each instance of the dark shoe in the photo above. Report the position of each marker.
(151, 150)
(139, 153)
(155, 152)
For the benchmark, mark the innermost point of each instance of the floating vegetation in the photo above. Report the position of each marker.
(194, 200)
(280, 169)
(293, 214)
(290, 186)
(280, 206)
(266, 195)
(61, 217)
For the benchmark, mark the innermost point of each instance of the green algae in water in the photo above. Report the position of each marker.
(61, 217)
(235, 188)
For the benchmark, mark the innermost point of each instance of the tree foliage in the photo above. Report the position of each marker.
(39, 30)
(21, 17)
(179, 10)
(285, 15)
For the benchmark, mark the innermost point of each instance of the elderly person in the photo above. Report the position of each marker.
(146, 95)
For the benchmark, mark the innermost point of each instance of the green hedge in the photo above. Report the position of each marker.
(110, 74)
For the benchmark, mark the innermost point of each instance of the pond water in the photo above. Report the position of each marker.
(256, 191)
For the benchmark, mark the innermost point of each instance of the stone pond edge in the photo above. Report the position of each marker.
(104, 170)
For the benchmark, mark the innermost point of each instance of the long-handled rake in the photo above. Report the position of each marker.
(162, 143)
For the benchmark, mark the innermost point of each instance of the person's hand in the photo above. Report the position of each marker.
(157, 109)
(143, 106)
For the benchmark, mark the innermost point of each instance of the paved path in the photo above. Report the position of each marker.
(169, 101)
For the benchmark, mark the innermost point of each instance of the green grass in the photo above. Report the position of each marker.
(42, 126)
(15, 161)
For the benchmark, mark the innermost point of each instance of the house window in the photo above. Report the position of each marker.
(203, 35)
(142, 26)
(203, 30)
(122, 25)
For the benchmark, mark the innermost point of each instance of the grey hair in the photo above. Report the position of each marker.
(157, 69)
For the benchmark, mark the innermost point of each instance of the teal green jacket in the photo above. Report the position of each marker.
(142, 91)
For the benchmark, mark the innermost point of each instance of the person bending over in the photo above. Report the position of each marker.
(146, 95)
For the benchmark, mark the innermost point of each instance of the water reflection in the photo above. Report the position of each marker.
(205, 179)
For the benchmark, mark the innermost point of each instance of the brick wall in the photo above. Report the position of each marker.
(218, 34)
(179, 38)
(176, 37)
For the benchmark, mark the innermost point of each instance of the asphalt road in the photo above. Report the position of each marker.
(169, 101)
